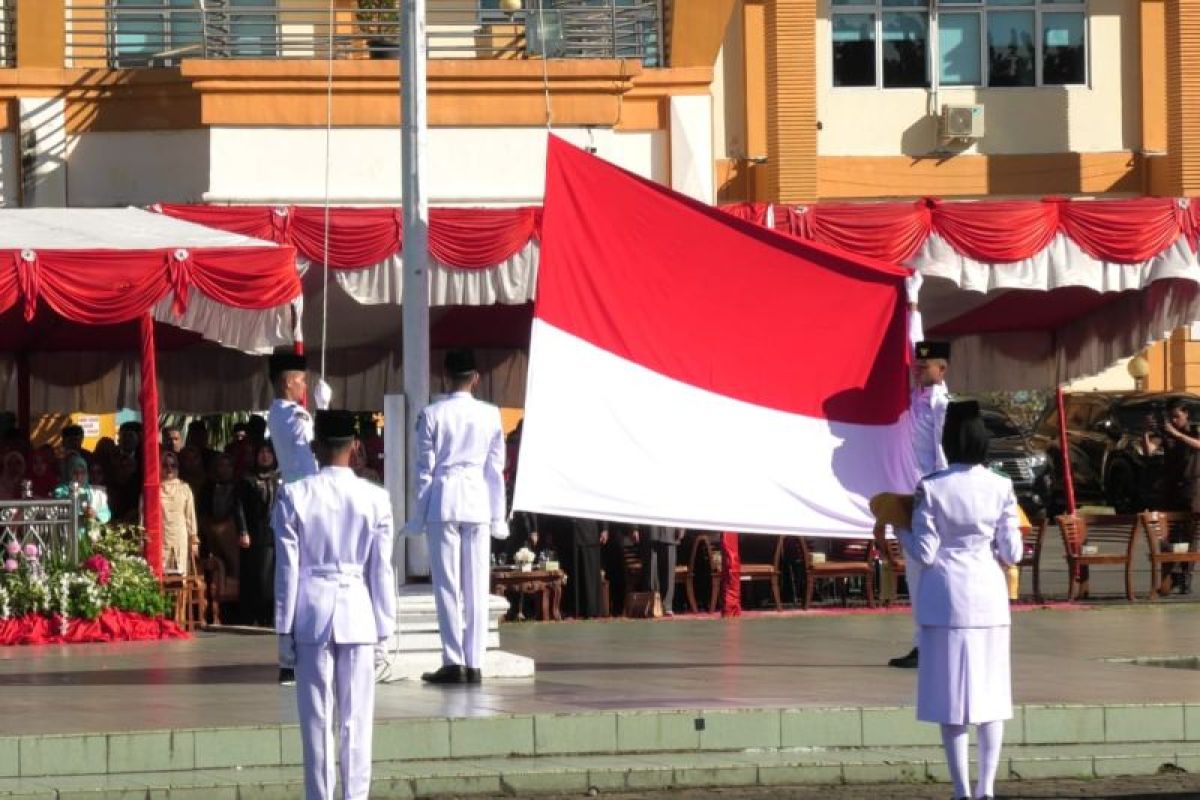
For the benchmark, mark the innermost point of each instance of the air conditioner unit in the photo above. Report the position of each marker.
(962, 122)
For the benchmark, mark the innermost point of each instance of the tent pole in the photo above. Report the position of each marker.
(1064, 449)
(148, 398)
(23, 396)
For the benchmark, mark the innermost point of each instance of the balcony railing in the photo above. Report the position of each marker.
(8, 33)
(155, 33)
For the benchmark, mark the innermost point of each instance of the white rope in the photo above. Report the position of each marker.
(328, 157)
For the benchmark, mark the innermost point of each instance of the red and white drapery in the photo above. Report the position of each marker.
(1032, 292)
(95, 267)
(478, 256)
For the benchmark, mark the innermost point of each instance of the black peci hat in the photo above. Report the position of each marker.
(335, 427)
(459, 362)
(73, 430)
(286, 361)
(925, 350)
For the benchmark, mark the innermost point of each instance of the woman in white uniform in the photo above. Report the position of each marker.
(964, 522)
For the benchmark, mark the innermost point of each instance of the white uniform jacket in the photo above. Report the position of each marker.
(964, 520)
(460, 462)
(333, 560)
(291, 428)
(927, 406)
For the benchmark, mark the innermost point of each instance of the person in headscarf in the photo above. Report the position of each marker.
(93, 502)
(222, 523)
(181, 540)
(257, 586)
(191, 470)
(12, 475)
(42, 471)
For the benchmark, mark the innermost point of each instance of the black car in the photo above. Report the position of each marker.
(1107, 435)
(1011, 453)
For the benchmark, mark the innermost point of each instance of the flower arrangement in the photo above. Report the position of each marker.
(113, 575)
(523, 558)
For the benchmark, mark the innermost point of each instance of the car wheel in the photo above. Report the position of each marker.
(1122, 489)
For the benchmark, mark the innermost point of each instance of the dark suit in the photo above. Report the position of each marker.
(658, 548)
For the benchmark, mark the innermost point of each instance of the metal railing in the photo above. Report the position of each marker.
(8, 33)
(51, 525)
(152, 33)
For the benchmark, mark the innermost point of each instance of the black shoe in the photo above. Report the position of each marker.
(450, 673)
(905, 662)
(474, 675)
(287, 676)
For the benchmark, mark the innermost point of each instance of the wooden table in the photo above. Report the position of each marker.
(546, 584)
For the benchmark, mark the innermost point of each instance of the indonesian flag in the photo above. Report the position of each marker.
(691, 369)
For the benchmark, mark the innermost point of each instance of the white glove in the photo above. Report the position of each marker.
(381, 653)
(287, 650)
(500, 530)
(414, 527)
(912, 287)
(322, 394)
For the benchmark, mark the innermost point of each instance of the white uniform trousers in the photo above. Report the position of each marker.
(460, 563)
(336, 679)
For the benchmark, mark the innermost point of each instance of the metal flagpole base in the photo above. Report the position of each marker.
(417, 647)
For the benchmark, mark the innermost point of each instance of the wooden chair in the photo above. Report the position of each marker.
(851, 559)
(1112, 534)
(891, 554)
(189, 596)
(1164, 528)
(761, 555)
(700, 561)
(1031, 555)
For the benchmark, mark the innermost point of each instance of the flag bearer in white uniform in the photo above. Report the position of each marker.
(291, 429)
(927, 410)
(289, 422)
(460, 502)
(964, 527)
(334, 602)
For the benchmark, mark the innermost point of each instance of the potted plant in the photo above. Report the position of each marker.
(379, 21)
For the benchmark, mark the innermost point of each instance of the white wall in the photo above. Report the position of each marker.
(137, 168)
(1100, 117)
(1114, 379)
(466, 165)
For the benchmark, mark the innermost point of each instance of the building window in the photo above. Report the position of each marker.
(894, 43)
(164, 32)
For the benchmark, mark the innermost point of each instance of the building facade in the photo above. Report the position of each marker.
(111, 103)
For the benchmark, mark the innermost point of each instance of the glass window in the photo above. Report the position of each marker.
(1062, 48)
(854, 50)
(905, 56)
(959, 46)
(254, 29)
(1011, 46)
(890, 43)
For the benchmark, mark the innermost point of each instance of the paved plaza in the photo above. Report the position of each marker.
(1074, 655)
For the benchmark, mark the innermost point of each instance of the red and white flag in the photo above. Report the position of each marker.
(691, 369)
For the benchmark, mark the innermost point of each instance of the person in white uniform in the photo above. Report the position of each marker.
(460, 501)
(289, 422)
(927, 410)
(334, 602)
(965, 525)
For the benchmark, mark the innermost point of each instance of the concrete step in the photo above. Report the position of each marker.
(522, 776)
(640, 732)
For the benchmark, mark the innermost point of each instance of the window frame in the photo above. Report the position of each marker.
(934, 8)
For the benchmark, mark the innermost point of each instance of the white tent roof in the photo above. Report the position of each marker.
(109, 229)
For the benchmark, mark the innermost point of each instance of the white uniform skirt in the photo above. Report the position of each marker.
(963, 676)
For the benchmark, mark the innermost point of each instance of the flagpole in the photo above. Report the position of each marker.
(415, 248)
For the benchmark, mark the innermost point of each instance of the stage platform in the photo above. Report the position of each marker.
(792, 697)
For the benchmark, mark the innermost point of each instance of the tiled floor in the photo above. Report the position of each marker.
(791, 660)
